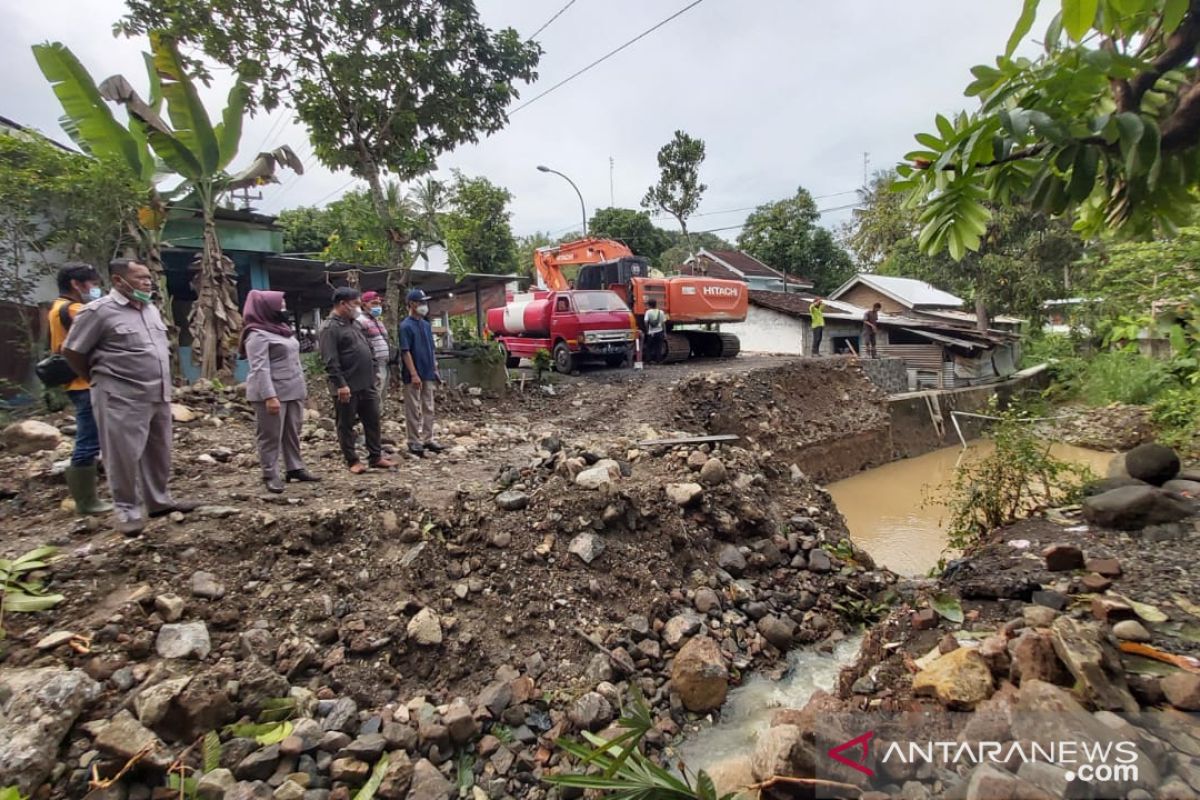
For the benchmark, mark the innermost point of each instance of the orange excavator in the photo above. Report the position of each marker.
(688, 300)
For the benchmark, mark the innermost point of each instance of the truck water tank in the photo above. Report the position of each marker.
(524, 316)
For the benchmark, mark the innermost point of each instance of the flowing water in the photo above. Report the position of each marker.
(748, 710)
(893, 512)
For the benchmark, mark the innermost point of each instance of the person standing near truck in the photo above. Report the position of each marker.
(817, 310)
(419, 373)
(656, 332)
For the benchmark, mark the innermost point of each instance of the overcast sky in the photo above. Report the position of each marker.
(785, 93)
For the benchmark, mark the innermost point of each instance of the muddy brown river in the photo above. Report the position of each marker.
(895, 513)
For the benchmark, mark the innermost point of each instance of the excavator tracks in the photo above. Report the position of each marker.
(679, 348)
(712, 344)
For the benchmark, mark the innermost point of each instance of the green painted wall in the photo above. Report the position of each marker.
(233, 235)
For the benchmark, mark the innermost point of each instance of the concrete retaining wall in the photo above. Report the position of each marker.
(921, 421)
(889, 374)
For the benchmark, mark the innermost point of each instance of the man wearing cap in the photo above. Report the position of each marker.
(419, 373)
(351, 368)
(372, 323)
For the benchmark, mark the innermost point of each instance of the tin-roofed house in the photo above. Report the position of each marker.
(735, 265)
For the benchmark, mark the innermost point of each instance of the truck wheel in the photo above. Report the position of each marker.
(510, 361)
(564, 359)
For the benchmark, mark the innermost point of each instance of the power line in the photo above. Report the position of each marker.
(755, 208)
(606, 56)
(551, 20)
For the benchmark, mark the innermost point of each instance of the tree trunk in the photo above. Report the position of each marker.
(981, 312)
(398, 241)
(215, 319)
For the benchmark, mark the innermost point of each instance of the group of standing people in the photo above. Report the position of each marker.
(117, 345)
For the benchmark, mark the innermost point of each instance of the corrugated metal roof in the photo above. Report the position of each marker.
(906, 291)
(950, 340)
(965, 316)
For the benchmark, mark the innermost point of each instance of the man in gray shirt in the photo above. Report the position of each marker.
(119, 343)
(350, 365)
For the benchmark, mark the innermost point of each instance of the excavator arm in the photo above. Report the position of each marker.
(549, 261)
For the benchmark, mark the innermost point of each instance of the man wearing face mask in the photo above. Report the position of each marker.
(119, 343)
(419, 374)
(372, 323)
(350, 365)
(79, 284)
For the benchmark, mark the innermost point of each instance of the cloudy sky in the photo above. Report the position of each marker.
(785, 93)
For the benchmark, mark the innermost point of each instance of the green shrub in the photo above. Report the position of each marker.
(1059, 352)
(1123, 377)
(1176, 417)
(1015, 480)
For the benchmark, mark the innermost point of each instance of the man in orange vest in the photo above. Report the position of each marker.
(79, 284)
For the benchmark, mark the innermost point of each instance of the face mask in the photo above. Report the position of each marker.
(283, 310)
(94, 293)
(145, 298)
(377, 311)
(423, 309)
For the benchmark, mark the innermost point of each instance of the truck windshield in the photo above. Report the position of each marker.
(599, 301)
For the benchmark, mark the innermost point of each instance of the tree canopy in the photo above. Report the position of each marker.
(381, 87)
(787, 235)
(632, 227)
(1103, 124)
(679, 189)
(477, 227)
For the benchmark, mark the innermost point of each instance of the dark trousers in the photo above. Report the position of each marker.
(364, 407)
(818, 335)
(87, 435)
(656, 347)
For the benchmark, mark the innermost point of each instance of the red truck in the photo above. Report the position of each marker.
(574, 326)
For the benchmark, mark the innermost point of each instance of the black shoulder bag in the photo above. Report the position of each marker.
(53, 370)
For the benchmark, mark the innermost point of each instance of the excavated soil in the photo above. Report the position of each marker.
(334, 571)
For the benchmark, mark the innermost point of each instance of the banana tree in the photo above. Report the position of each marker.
(190, 147)
(90, 123)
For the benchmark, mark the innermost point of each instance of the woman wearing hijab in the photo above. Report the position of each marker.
(275, 386)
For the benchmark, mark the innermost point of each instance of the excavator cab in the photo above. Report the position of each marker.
(616, 276)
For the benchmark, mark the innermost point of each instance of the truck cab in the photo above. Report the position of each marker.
(574, 325)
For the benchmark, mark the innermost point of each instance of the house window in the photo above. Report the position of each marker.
(844, 345)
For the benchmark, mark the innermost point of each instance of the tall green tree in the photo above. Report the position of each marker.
(632, 227)
(383, 88)
(679, 189)
(787, 235)
(477, 227)
(56, 206)
(306, 229)
(1103, 124)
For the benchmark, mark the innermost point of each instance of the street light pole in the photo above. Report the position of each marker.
(582, 207)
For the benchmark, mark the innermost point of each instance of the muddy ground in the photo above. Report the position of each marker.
(338, 568)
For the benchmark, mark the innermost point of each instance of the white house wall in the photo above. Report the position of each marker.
(767, 331)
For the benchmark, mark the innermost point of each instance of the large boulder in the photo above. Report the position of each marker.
(1134, 507)
(959, 680)
(30, 436)
(699, 675)
(1108, 484)
(1152, 463)
(37, 708)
